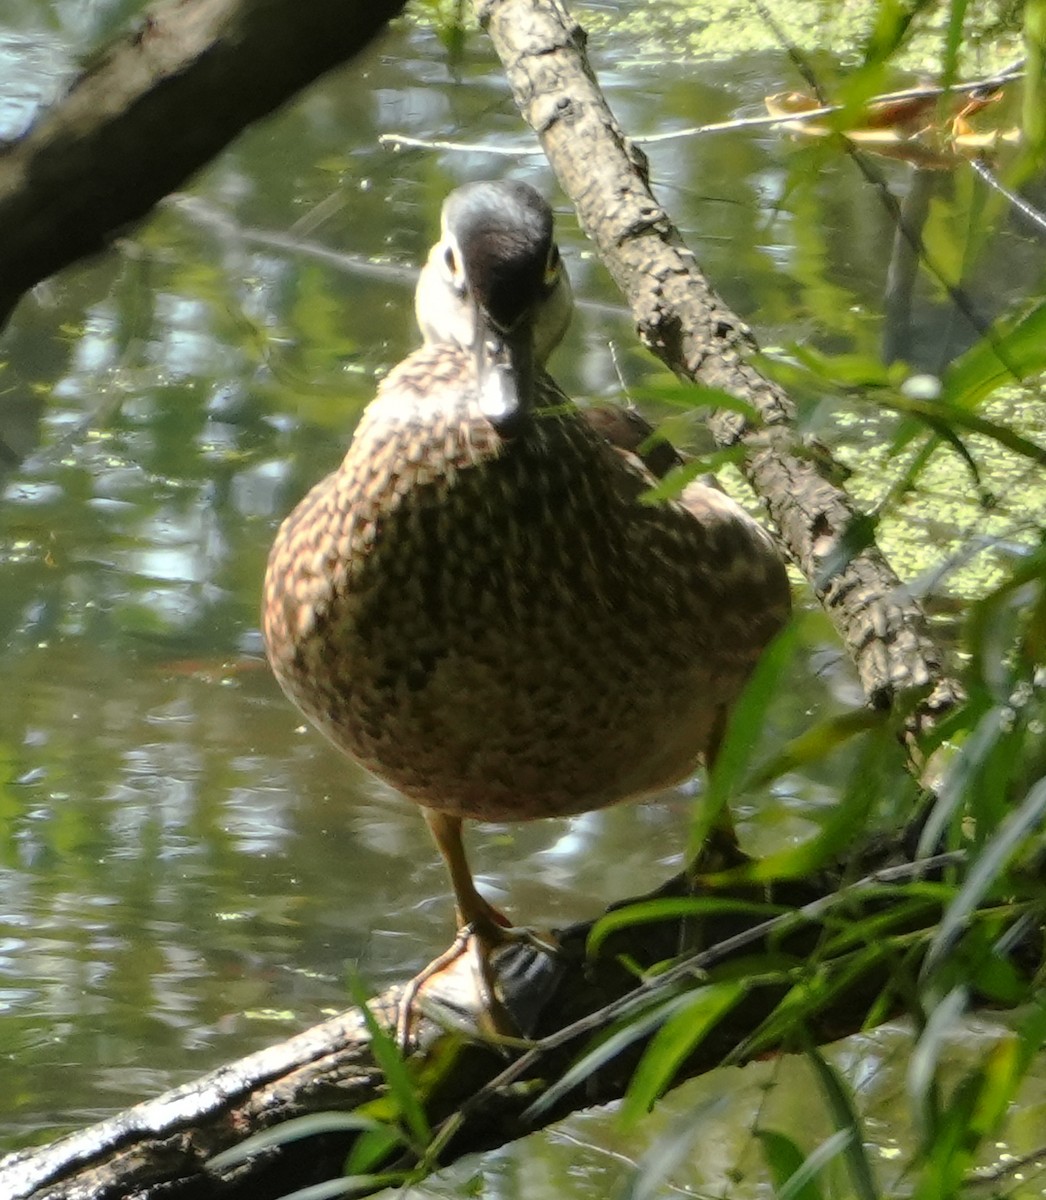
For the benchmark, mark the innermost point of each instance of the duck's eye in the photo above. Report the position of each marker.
(450, 260)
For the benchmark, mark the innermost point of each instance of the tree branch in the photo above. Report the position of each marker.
(155, 107)
(682, 320)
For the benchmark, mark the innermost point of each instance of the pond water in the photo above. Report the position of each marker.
(185, 870)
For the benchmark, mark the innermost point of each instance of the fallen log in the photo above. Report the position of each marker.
(164, 1147)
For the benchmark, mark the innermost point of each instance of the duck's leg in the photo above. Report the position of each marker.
(481, 931)
(473, 911)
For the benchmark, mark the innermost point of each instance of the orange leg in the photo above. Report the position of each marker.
(482, 929)
(485, 920)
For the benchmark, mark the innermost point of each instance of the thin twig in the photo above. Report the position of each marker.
(827, 110)
(992, 1176)
(398, 140)
(1028, 211)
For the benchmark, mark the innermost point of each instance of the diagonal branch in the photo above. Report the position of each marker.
(682, 320)
(155, 107)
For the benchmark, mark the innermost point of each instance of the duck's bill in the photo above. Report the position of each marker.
(500, 394)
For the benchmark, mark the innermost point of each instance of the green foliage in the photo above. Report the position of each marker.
(403, 1093)
(608, 1045)
(792, 1173)
(676, 1040)
(313, 1125)
(742, 735)
(449, 19)
(1034, 115)
(949, 943)
(672, 908)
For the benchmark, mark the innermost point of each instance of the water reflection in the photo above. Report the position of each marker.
(184, 871)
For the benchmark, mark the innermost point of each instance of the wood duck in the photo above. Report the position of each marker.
(480, 604)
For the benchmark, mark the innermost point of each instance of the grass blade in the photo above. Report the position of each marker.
(345, 1185)
(680, 1035)
(670, 908)
(922, 1068)
(291, 1131)
(785, 1160)
(845, 1119)
(746, 722)
(604, 1051)
(983, 874)
(402, 1090)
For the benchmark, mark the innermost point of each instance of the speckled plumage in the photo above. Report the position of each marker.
(485, 612)
(499, 626)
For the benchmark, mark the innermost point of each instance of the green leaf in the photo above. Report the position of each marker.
(844, 1117)
(816, 743)
(892, 26)
(860, 371)
(291, 1131)
(680, 1035)
(346, 1185)
(958, 778)
(1033, 117)
(678, 478)
(670, 909)
(742, 733)
(953, 43)
(372, 1148)
(799, 1182)
(607, 1047)
(1014, 349)
(949, 1151)
(1005, 1068)
(785, 1161)
(815, 1163)
(387, 1055)
(908, 906)
(998, 980)
(689, 396)
(984, 873)
(944, 417)
(922, 1066)
(864, 790)
(985, 619)
(806, 998)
